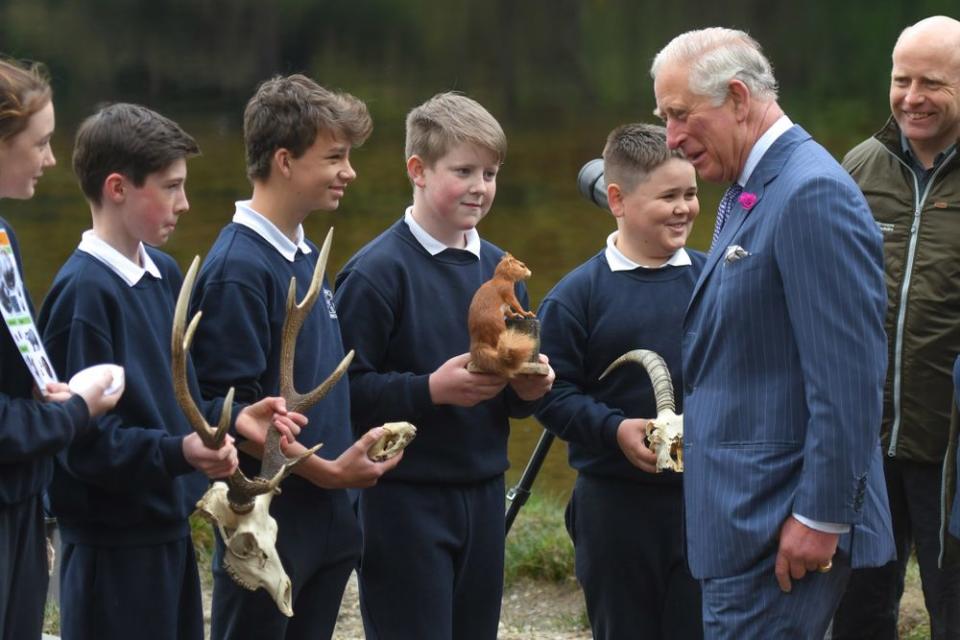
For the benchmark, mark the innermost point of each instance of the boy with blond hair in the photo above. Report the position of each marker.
(625, 518)
(123, 493)
(432, 563)
(298, 137)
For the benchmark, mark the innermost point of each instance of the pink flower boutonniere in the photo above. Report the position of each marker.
(747, 200)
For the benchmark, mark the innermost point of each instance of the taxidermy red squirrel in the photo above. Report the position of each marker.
(493, 347)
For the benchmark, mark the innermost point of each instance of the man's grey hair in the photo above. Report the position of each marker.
(715, 56)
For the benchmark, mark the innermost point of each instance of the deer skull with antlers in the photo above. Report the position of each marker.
(240, 508)
(665, 432)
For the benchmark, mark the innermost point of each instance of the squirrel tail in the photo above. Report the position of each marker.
(513, 349)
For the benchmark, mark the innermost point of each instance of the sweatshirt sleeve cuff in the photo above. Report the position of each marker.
(171, 448)
(609, 431)
(235, 413)
(79, 414)
(519, 408)
(419, 388)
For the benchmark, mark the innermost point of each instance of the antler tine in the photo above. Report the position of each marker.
(241, 490)
(657, 370)
(276, 466)
(180, 346)
(296, 314)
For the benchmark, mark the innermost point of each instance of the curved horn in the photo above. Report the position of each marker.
(296, 314)
(656, 369)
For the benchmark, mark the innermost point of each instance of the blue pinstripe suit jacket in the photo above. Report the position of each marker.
(784, 355)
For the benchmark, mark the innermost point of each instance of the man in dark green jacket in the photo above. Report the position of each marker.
(910, 175)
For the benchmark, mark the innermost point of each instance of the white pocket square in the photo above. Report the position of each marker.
(734, 252)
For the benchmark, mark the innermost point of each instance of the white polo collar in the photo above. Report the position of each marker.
(246, 216)
(620, 262)
(434, 246)
(129, 272)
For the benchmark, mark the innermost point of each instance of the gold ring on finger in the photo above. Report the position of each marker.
(826, 566)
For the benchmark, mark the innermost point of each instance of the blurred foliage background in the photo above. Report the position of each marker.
(537, 61)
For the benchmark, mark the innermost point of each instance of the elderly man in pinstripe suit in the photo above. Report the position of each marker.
(784, 354)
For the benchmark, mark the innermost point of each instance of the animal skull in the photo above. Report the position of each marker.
(251, 556)
(396, 436)
(665, 438)
(665, 432)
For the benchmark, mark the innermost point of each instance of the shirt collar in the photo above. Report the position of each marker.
(246, 216)
(762, 145)
(620, 262)
(434, 246)
(908, 151)
(129, 272)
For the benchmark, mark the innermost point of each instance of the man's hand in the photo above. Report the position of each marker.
(452, 384)
(530, 387)
(255, 420)
(214, 463)
(632, 438)
(802, 549)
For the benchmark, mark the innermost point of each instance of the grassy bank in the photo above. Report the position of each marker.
(538, 546)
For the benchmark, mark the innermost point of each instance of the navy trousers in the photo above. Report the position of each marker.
(319, 545)
(147, 592)
(871, 606)
(432, 566)
(24, 577)
(628, 540)
(751, 605)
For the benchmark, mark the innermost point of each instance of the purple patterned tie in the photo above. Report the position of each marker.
(726, 206)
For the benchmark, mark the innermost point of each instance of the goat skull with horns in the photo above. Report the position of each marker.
(665, 432)
(240, 508)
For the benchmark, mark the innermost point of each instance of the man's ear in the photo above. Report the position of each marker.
(415, 170)
(281, 162)
(114, 188)
(740, 95)
(615, 199)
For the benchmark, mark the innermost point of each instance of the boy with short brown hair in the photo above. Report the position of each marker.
(625, 518)
(298, 137)
(124, 493)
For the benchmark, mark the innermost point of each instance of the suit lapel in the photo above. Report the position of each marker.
(769, 168)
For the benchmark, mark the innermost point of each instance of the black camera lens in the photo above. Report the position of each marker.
(591, 184)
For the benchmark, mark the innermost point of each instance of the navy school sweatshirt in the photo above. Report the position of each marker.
(128, 482)
(405, 313)
(30, 431)
(588, 320)
(242, 291)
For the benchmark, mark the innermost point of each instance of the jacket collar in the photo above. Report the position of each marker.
(769, 167)
(891, 137)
